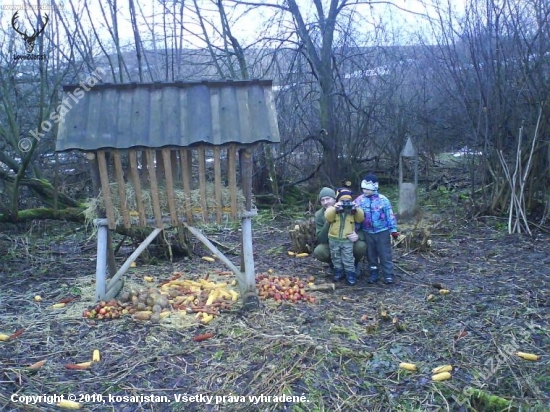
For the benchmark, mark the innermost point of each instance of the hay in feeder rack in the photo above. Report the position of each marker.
(185, 204)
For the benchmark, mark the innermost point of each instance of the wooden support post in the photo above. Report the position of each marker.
(250, 296)
(119, 175)
(186, 159)
(101, 263)
(134, 177)
(124, 268)
(206, 242)
(111, 262)
(202, 182)
(154, 188)
(169, 187)
(232, 179)
(96, 185)
(104, 178)
(218, 184)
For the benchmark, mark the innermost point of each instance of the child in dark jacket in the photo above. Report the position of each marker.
(342, 218)
(379, 224)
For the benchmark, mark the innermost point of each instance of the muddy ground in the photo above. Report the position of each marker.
(341, 353)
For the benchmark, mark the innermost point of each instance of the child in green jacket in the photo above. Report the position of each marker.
(342, 218)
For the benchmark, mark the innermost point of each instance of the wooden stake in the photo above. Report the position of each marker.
(104, 177)
(218, 184)
(202, 182)
(154, 188)
(121, 188)
(136, 182)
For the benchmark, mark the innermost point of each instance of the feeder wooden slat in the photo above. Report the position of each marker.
(170, 187)
(144, 166)
(154, 188)
(232, 181)
(104, 177)
(185, 158)
(119, 174)
(159, 170)
(174, 163)
(134, 177)
(218, 184)
(202, 182)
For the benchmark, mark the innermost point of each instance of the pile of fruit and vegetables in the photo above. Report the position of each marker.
(203, 298)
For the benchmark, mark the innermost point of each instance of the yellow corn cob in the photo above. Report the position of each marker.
(67, 404)
(207, 318)
(4, 337)
(58, 305)
(444, 291)
(443, 376)
(441, 369)
(407, 366)
(95, 356)
(212, 297)
(208, 259)
(234, 295)
(302, 255)
(528, 356)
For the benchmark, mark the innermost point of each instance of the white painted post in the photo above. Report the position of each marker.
(101, 263)
(248, 253)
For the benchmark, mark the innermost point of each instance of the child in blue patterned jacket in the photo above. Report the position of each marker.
(379, 224)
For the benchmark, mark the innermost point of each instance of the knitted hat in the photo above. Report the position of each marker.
(370, 182)
(327, 191)
(344, 194)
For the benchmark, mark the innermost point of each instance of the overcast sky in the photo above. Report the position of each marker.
(246, 27)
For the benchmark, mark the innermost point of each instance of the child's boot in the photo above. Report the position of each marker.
(373, 274)
(389, 279)
(338, 275)
(351, 278)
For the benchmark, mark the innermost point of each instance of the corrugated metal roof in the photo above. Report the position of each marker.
(168, 114)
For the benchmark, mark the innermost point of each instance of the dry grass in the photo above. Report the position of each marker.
(192, 202)
(342, 354)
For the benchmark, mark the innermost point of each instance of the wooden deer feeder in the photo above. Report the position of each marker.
(152, 148)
